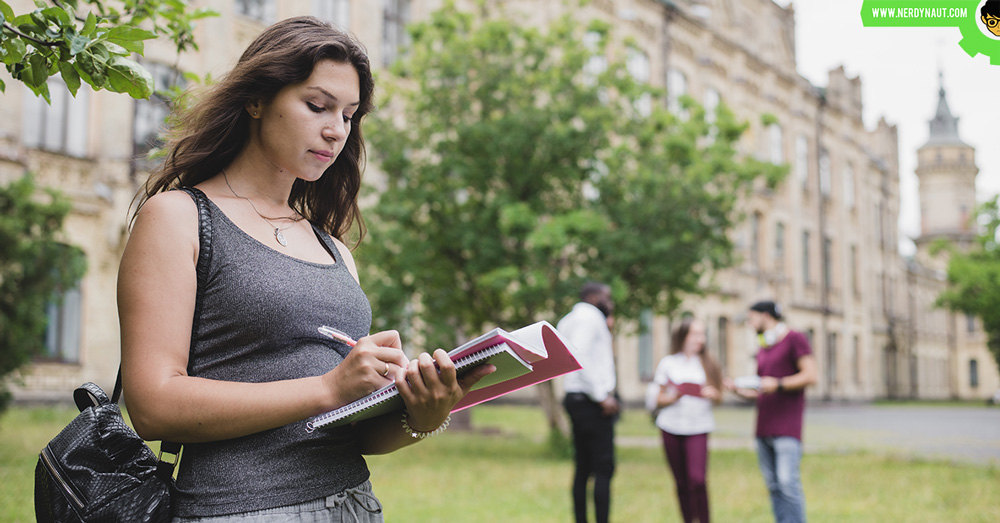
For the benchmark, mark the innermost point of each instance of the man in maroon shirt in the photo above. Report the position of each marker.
(786, 366)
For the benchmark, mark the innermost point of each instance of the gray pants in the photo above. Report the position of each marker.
(353, 505)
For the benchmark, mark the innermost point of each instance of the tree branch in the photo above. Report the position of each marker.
(31, 39)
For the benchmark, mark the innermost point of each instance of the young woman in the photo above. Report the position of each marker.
(223, 285)
(687, 383)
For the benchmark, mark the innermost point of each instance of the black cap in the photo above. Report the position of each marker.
(767, 307)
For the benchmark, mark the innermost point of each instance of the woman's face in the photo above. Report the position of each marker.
(304, 128)
(695, 339)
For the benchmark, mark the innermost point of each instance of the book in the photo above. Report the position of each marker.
(687, 388)
(747, 382)
(524, 357)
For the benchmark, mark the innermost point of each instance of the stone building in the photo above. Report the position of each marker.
(824, 243)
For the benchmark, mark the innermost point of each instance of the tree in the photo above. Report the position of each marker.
(974, 277)
(92, 44)
(88, 41)
(36, 266)
(670, 196)
(519, 163)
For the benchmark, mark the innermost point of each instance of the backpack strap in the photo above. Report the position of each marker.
(90, 395)
(204, 251)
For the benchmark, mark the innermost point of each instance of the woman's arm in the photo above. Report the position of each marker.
(156, 297)
(668, 396)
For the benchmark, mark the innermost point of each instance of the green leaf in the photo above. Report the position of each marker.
(89, 25)
(37, 71)
(124, 47)
(38, 18)
(6, 11)
(57, 14)
(78, 43)
(70, 76)
(85, 61)
(43, 91)
(203, 12)
(127, 76)
(15, 50)
(3, 86)
(129, 32)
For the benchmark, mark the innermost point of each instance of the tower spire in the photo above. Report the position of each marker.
(944, 126)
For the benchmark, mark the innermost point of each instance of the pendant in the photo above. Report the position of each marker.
(280, 237)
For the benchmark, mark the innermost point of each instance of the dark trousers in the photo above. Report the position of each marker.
(688, 459)
(594, 453)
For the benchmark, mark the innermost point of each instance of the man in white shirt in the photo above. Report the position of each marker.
(590, 400)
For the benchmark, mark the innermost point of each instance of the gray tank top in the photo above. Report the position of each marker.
(255, 321)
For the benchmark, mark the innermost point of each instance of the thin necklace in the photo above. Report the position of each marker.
(277, 230)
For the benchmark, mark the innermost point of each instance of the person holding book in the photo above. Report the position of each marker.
(590, 399)
(786, 366)
(223, 284)
(687, 383)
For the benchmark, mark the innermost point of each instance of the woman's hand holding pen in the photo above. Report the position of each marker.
(373, 363)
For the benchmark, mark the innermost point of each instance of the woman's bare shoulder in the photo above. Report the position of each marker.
(346, 256)
(166, 221)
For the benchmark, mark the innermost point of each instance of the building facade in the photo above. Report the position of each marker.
(824, 243)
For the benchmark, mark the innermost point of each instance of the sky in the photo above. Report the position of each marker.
(899, 69)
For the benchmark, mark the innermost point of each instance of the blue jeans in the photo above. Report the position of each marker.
(779, 459)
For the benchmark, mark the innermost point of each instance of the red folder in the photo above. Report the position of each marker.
(690, 389)
(541, 345)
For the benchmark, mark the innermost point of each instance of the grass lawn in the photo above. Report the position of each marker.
(505, 472)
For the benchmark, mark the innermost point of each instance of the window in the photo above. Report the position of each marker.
(825, 184)
(337, 12)
(827, 263)
(646, 344)
(849, 186)
(973, 373)
(854, 270)
(806, 274)
(802, 160)
(396, 15)
(676, 87)
(59, 127)
(637, 63)
(260, 10)
(777, 148)
(62, 335)
(755, 241)
(151, 113)
(831, 360)
(856, 360)
(712, 100)
(880, 225)
(779, 245)
(970, 323)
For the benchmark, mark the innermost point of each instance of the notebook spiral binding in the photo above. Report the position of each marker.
(390, 390)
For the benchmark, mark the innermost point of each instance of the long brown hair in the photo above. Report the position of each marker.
(209, 136)
(713, 373)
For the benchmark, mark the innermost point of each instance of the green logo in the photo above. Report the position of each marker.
(978, 20)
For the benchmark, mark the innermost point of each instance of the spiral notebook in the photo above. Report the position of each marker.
(527, 356)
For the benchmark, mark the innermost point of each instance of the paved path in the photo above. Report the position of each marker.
(963, 434)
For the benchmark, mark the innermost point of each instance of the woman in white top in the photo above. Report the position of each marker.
(686, 384)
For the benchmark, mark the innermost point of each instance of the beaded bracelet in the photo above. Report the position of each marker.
(421, 435)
